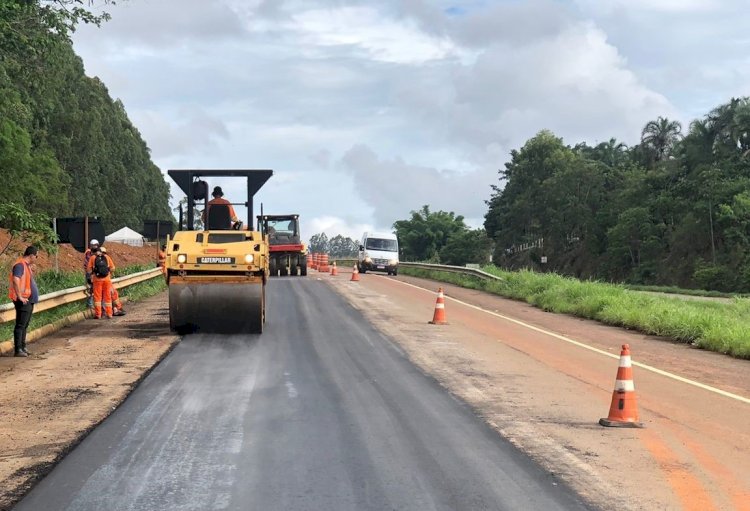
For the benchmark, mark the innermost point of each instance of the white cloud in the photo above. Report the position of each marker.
(671, 6)
(333, 226)
(369, 109)
(188, 131)
(394, 187)
(365, 28)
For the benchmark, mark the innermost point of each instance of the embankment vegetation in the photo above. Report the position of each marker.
(715, 326)
(66, 147)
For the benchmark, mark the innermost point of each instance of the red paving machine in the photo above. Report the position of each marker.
(287, 253)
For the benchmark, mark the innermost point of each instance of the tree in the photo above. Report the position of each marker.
(467, 246)
(66, 147)
(319, 243)
(660, 136)
(341, 247)
(423, 236)
(34, 227)
(669, 211)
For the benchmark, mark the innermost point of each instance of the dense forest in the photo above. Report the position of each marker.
(66, 147)
(672, 210)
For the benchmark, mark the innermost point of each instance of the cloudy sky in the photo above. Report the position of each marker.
(368, 109)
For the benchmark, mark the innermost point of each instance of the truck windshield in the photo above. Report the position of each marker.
(381, 244)
(286, 226)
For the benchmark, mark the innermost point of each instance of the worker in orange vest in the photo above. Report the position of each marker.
(117, 309)
(162, 259)
(93, 244)
(218, 198)
(23, 292)
(101, 267)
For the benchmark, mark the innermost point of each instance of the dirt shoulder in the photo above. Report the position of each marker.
(73, 380)
(546, 395)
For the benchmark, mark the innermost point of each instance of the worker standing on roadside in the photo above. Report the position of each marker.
(116, 303)
(24, 294)
(101, 267)
(93, 245)
(218, 198)
(162, 263)
(117, 309)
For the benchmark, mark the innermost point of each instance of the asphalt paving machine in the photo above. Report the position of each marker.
(216, 270)
(287, 253)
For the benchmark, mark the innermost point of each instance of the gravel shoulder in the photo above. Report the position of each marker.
(73, 380)
(546, 396)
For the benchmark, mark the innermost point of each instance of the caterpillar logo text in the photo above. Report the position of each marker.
(216, 260)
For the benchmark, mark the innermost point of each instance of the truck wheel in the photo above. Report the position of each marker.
(283, 266)
(273, 267)
(395, 272)
(303, 265)
(293, 267)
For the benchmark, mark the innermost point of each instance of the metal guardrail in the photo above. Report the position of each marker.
(452, 269)
(75, 294)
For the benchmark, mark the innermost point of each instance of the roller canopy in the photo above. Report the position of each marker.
(185, 178)
(255, 178)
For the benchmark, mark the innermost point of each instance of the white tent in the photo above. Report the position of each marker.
(127, 236)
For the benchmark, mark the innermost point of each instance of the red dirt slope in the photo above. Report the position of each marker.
(71, 260)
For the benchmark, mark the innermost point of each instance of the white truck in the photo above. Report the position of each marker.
(378, 251)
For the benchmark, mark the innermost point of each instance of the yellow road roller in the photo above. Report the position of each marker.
(217, 270)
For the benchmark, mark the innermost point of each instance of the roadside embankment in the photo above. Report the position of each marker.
(720, 327)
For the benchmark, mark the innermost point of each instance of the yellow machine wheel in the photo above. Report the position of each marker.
(226, 308)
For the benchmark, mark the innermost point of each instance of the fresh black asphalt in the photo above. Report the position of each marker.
(320, 412)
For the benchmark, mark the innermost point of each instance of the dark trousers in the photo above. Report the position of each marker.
(23, 317)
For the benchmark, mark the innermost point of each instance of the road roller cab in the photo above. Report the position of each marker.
(217, 274)
(288, 254)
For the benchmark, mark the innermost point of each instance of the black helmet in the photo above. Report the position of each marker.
(217, 192)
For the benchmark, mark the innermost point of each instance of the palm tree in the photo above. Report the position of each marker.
(661, 136)
(612, 152)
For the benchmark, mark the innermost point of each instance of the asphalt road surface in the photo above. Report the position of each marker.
(321, 412)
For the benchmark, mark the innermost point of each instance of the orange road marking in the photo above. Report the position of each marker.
(685, 485)
(736, 490)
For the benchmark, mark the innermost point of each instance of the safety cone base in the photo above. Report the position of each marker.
(433, 322)
(620, 424)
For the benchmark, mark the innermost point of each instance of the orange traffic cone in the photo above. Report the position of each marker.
(439, 317)
(623, 412)
(334, 270)
(355, 274)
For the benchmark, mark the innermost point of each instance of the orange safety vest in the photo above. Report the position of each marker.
(110, 263)
(25, 282)
(221, 200)
(162, 258)
(86, 256)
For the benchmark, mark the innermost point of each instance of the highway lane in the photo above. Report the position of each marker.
(321, 412)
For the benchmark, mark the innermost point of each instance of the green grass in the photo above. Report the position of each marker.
(721, 327)
(682, 291)
(133, 293)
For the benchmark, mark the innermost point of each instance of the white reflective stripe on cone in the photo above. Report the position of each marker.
(440, 306)
(625, 361)
(624, 386)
